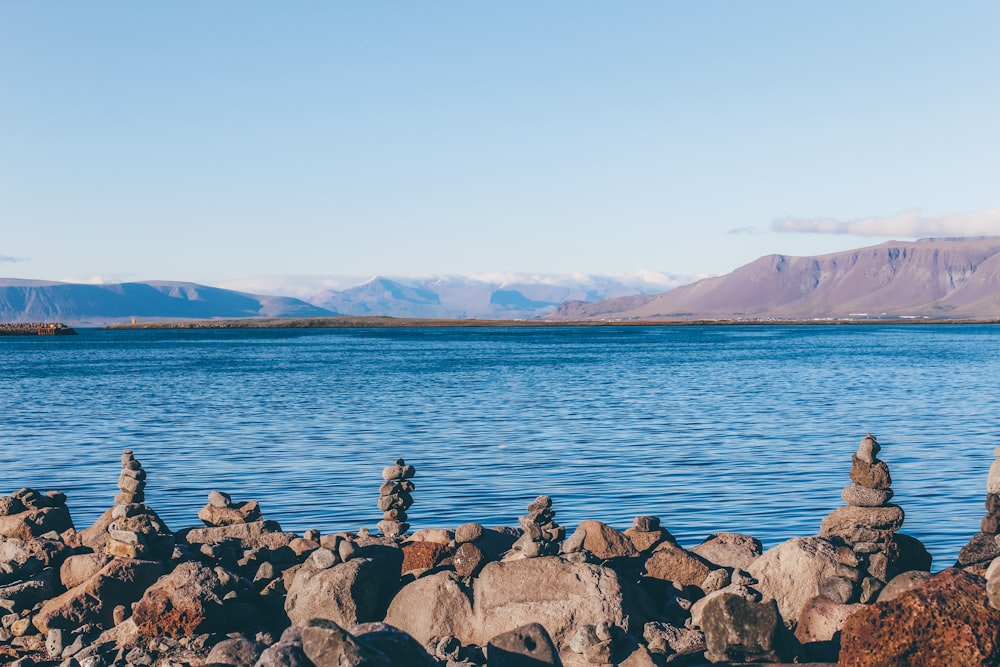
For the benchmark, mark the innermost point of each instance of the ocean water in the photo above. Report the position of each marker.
(744, 429)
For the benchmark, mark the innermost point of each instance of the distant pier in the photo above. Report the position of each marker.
(35, 329)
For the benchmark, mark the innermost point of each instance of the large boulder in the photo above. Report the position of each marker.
(327, 644)
(21, 559)
(946, 620)
(401, 649)
(558, 594)
(120, 582)
(347, 593)
(189, 600)
(791, 572)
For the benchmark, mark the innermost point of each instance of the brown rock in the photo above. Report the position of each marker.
(78, 568)
(644, 541)
(469, 559)
(438, 605)
(93, 601)
(742, 630)
(347, 594)
(871, 475)
(422, 555)
(731, 550)
(671, 562)
(944, 621)
(604, 542)
(35, 523)
(902, 583)
(822, 620)
(185, 602)
(791, 572)
(213, 515)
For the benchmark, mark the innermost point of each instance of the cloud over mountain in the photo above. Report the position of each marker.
(907, 224)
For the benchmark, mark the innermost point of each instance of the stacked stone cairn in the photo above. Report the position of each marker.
(135, 530)
(542, 536)
(395, 498)
(984, 546)
(868, 526)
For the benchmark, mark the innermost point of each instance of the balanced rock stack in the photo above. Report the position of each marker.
(222, 511)
(985, 545)
(542, 535)
(135, 530)
(869, 522)
(395, 498)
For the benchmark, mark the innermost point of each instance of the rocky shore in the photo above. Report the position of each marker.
(238, 590)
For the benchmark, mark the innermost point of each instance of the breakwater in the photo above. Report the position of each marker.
(35, 329)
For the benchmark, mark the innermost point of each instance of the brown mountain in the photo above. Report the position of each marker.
(952, 278)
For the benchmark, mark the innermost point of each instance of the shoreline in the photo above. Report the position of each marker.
(359, 322)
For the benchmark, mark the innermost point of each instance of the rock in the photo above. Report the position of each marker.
(839, 590)
(741, 630)
(438, 605)
(438, 535)
(731, 550)
(401, 649)
(822, 620)
(29, 592)
(422, 555)
(219, 499)
(20, 559)
(34, 523)
(326, 644)
(187, 601)
(93, 601)
(982, 548)
(671, 562)
(284, 655)
(862, 496)
(604, 542)
(871, 475)
(845, 520)
(791, 572)
(993, 584)
(526, 646)
(468, 532)
(902, 583)
(645, 541)
(868, 449)
(347, 594)
(468, 559)
(256, 535)
(943, 621)
(214, 515)
(238, 651)
(80, 567)
(666, 638)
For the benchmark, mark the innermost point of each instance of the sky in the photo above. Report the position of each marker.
(222, 141)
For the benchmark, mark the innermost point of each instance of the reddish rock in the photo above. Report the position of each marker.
(671, 562)
(184, 602)
(120, 582)
(605, 542)
(422, 555)
(945, 621)
(870, 475)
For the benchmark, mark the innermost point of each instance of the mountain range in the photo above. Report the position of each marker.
(947, 278)
(512, 296)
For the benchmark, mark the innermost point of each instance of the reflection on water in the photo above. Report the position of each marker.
(740, 429)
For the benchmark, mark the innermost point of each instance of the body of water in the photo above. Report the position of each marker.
(744, 429)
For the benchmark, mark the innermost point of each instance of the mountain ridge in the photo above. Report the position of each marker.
(951, 278)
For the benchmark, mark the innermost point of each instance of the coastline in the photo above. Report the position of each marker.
(358, 322)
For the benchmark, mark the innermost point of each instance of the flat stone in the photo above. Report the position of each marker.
(981, 548)
(845, 520)
(862, 496)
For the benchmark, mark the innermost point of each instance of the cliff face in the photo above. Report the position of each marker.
(934, 278)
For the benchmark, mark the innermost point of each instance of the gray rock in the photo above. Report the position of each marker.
(284, 655)
(323, 559)
(526, 646)
(237, 651)
(468, 532)
(846, 520)
(740, 630)
(903, 582)
(981, 548)
(219, 499)
(401, 649)
(327, 644)
(868, 449)
(732, 550)
(839, 590)
(347, 594)
(646, 524)
(861, 496)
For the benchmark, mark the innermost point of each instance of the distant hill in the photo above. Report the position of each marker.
(97, 305)
(466, 297)
(930, 278)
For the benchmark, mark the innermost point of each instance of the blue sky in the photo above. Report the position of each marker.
(214, 141)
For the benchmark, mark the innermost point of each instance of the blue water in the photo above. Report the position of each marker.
(722, 428)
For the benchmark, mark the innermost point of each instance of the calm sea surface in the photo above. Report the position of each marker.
(742, 429)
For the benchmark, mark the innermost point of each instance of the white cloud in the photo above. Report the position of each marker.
(7, 259)
(908, 223)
